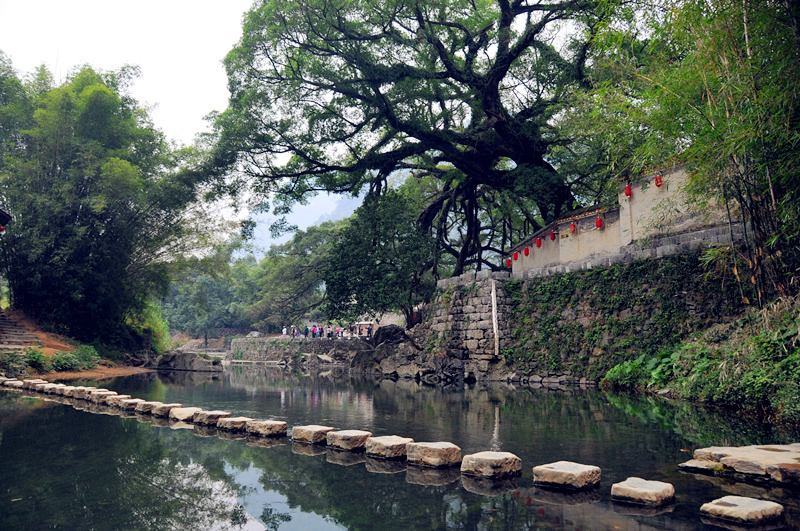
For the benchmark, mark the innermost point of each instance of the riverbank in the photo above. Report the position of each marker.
(98, 373)
(752, 364)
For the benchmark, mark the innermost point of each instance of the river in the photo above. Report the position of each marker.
(63, 467)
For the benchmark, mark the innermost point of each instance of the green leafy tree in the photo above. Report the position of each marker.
(714, 84)
(338, 95)
(99, 205)
(289, 281)
(380, 262)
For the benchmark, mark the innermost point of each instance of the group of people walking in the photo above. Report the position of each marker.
(331, 332)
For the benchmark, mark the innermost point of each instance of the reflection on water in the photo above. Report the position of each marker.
(91, 467)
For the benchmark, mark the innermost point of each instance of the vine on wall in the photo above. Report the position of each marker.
(586, 322)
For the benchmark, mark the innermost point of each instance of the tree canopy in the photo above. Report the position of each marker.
(338, 95)
(99, 205)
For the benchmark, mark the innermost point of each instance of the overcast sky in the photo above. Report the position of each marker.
(178, 44)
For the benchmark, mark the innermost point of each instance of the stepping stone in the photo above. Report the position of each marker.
(31, 384)
(147, 406)
(93, 391)
(183, 414)
(266, 428)
(162, 410)
(14, 383)
(433, 454)
(114, 400)
(129, 404)
(61, 389)
(312, 434)
(566, 474)
(233, 423)
(387, 446)
(72, 391)
(491, 465)
(741, 510)
(350, 440)
(643, 492)
(101, 397)
(776, 462)
(209, 418)
(83, 392)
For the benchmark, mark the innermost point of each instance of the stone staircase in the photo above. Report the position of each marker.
(14, 336)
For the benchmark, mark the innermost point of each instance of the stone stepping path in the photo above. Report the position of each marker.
(778, 463)
(488, 473)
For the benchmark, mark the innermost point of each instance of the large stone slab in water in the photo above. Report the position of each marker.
(209, 418)
(266, 428)
(741, 510)
(162, 410)
(31, 384)
(775, 462)
(147, 406)
(15, 383)
(643, 492)
(433, 454)
(233, 423)
(387, 446)
(83, 392)
(350, 440)
(129, 404)
(183, 414)
(114, 400)
(312, 434)
(566, 474)
(101, 397)
(71, 391)
(491, 465)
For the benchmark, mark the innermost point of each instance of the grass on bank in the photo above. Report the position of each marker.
(752, 364)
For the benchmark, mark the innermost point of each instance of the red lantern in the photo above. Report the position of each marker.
(572, 228)
(628, 190)
(508, 262)
(538, 242)
(598, 222)
(526, 252)
(516, 256)
(2, 228)
(552, 236)
(659, 181)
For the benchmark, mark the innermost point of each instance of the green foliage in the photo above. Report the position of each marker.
(84, 357)
(379, 263)
(654, 314)
(97, 200)
(36, 360)
(754, 370)
(713, 84)
(460, 94)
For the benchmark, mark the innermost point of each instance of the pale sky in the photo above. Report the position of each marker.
(178, 44)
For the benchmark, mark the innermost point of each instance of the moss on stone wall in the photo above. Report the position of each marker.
(586, 322)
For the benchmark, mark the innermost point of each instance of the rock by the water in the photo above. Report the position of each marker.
(566, 474)
(313, 434)
(14, 383)
(387, 446)
(184, 361)
(350, 440)
(643, 492)
(147, 406)
(183, 414)
(31, 384)
(209, 418)
(114, 400)
(101, 397)
(162, 410)
(129, 404)
(433, 454)
(233, 423)
(82, 392)
(491, 465)
(776, 462)
(741, 510)
(266, 428)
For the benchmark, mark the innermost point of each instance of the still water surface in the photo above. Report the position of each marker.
(67, 468)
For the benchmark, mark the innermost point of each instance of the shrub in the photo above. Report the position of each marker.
(66, 361)
(36, 360)
(87, 357)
